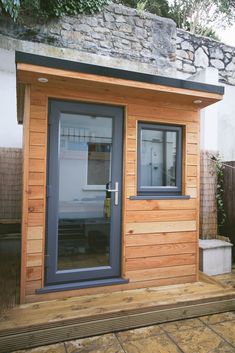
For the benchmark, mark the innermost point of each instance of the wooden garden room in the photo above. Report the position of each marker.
(110, 221)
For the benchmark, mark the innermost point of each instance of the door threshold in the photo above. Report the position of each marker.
(77, 285)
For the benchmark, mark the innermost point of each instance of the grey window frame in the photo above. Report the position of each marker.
(53, 276)
(161, 190)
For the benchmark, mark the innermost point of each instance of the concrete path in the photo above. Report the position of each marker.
(207, 334)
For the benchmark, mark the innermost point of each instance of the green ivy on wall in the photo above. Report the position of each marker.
(60, 8)
(50, 8)
(219, 169)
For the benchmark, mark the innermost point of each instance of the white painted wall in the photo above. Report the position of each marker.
(226, 124)
(218, 120)
(10, 131)
(209, 115)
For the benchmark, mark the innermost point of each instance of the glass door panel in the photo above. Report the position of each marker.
(84, 171)
(83, 215)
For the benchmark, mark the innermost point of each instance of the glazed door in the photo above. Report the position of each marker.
(84, 192)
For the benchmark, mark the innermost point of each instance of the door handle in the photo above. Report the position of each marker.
(115, 193)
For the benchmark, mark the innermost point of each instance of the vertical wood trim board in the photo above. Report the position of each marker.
(24, 224)
(34, 207)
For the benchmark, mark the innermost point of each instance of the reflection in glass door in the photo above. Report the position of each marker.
(85, 161)
(84, 164)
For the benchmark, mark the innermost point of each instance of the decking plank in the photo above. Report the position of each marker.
(120, 321)
(58, 312)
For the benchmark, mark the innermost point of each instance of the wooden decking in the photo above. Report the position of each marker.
(42, 323)
(227, 279)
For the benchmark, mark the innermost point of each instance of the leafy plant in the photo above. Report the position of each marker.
(157, 7)
(141, 5)
(219, 169)
(58, 8)
(50, 8)
(208, 32)
(200, 16)
(10, 7)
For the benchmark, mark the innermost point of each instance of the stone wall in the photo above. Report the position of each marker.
(116, 32)
(195, 53)
(137, 40)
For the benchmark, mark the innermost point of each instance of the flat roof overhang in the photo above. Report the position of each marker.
(75, 75)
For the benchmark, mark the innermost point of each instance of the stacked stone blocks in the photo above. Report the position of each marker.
(195, 53)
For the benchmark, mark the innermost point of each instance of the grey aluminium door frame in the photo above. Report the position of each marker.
(52, 275)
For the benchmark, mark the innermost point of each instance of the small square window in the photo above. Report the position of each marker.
(159, 159)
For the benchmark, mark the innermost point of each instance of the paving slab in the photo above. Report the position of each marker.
(139, 333)
(98, 344)
(200, 340)
(226, 330)
(214, 319)
(157, 344)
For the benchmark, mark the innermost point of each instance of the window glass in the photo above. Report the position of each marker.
(158, 149)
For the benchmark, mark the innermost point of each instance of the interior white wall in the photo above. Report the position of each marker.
(10, 131)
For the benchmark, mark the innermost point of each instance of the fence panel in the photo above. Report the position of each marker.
(229, 203)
